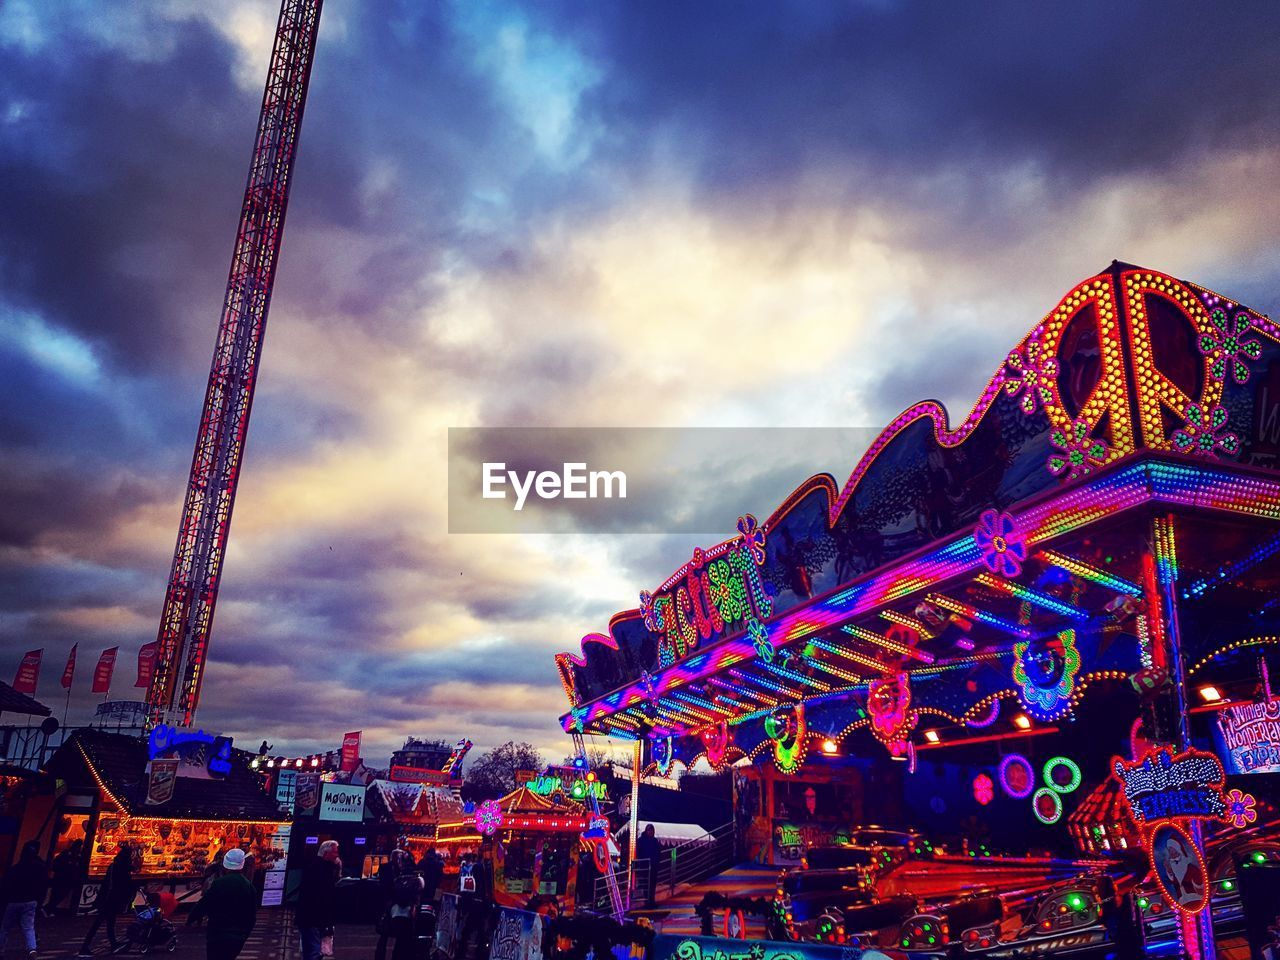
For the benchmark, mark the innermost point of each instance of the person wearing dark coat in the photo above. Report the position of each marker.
(23, 888)
(231, 907)
(318, 899)
(116, 892)
(649, 848)
(66, 871)
(432, 870)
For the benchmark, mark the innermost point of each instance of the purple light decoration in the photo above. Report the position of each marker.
(993, 714)
(488, 817)
(1003, 547)
(1029, 776)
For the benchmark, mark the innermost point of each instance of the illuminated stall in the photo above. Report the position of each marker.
(531, 842)
(985, 613)
(178, 824)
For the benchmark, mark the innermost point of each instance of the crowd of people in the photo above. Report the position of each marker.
(228, 904)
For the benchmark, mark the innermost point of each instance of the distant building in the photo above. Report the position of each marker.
(423, 754)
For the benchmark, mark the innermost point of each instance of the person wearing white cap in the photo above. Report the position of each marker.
(231, 908)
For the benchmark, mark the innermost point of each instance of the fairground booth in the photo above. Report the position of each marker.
(1013, 671)
(531, 843)
(180, 805)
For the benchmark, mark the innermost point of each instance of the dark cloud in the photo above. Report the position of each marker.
(121, 169)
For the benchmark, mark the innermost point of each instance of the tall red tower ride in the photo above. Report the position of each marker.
(183, 642)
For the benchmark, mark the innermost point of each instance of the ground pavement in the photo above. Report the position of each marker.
(274, 938)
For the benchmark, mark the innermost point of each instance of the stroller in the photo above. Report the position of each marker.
(151, 931)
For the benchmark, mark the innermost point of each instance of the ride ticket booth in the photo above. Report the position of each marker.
(531, 843)
(1042, 632)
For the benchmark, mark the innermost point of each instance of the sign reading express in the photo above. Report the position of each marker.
(339, 801)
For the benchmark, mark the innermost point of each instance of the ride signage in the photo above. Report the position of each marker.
(1165, 786)
(1248, 736)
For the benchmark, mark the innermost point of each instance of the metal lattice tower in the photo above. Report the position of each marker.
(617, 907)
(192, 592)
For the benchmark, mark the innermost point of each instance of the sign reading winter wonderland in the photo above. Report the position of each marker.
(1166, 786)
(517, 936)
(722, 948)
(1248, 737)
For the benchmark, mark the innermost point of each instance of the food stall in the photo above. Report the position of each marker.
(531, 842)
(179, 824)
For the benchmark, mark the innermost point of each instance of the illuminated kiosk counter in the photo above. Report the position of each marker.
(105, 805)
(988, 617)
(532, 846)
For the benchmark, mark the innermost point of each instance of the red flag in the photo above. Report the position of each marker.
(102, 673)
(69, 670)
(28, 675)
(147, 662)
(350, 751)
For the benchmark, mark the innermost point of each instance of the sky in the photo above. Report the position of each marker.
(558, 214)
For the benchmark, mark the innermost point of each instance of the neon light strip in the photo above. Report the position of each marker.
(1264, 551)
(1091, 573)
(835, 671)
(1034, 597)
(893, 616)
(766, 683)
(870, 636)
(973, 613)
(1120, 488)
(740, 691)
(799, 677)
(715, 708)
(848, 654)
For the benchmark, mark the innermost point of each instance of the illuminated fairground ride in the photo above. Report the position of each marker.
(1101, 533)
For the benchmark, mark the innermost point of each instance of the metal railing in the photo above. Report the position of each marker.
(688, 862)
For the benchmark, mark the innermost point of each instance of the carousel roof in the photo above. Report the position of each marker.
(955, 559)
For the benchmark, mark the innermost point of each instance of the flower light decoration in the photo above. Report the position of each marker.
(488, 817)
(1226, 342)
(1045, 670)
(716, 738)
(785, 726)
(889, 704)
(1203, 432)
(1003, 548)
(1077, 452)
(1033, 375)
(752, 537)
(984, 791)
(1240, 808)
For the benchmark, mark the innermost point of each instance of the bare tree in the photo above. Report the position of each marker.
(493, 773)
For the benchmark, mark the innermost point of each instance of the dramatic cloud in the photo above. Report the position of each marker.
(604, 215)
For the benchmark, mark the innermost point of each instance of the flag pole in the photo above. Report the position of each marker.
(65, 707)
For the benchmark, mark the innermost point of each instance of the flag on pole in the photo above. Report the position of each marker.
(106, 666)
(350, 751)
(69, 671)
(147, 662)
(28, 675)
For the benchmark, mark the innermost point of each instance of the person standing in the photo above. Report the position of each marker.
(649, 848)
(116, 893)
(231, 907)
(402, 913)
(317, 899)
(23, 889)
(66, 871)
(432, 870)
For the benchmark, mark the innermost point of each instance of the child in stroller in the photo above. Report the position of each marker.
(151, 929)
